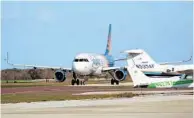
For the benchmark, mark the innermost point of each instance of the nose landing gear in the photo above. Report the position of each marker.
(77, 81)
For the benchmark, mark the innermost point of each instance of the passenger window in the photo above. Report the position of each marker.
(76, 60)
(81, 60)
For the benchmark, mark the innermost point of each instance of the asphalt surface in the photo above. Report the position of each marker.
(160, 103)
(169, 106)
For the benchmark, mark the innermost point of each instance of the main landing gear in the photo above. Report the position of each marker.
(113, 80)
(77, 82)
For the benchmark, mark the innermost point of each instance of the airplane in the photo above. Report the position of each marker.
(88, 64)
(147, 65)
(140, 80)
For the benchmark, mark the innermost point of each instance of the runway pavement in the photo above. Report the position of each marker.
(152, 103)
(152, 106)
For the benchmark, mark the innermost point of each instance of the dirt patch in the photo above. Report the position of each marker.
(75, 89)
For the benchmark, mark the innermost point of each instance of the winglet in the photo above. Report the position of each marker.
(189, 59)
(7, 58)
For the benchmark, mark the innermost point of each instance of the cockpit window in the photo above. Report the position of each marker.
(81, 60)
(86, 60)
(76, 60)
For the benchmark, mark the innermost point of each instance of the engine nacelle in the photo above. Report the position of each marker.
(120, 75)
(60, 75)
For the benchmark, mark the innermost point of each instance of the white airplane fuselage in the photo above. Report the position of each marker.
(90, 63)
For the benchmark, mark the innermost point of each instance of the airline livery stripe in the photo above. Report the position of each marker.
(169, 83)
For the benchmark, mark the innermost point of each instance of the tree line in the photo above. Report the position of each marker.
(32, 74)
(27, 74)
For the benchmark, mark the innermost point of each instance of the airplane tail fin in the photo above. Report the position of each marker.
(109, 43)
(137, 76)
(140, 58)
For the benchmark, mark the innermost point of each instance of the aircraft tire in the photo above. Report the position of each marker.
(117, 82)
(72, 82)
(112, 81)
(77, 81)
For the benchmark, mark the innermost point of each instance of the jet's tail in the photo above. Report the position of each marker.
(141, 80)
(109, 43)
(141, 59)
(137, 76)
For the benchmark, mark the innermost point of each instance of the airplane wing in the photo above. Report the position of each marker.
(36, 66)
(42, 67)
(111, 68)
(121, 59)
(166, 63)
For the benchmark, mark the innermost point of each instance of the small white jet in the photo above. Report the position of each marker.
(140, 80)
(88, 64)
(146, 64)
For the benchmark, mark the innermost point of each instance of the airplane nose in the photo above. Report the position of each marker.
(80, 68)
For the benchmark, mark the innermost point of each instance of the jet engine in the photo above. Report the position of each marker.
(120, 75)
(60, 75)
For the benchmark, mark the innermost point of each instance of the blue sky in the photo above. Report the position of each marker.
(52, 33)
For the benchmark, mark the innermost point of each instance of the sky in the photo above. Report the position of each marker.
(52, 33)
